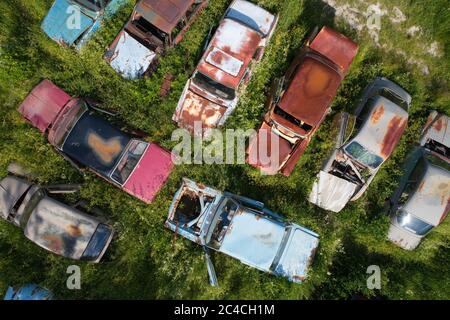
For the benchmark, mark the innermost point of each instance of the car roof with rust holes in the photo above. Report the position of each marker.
(60, 228)
(431, 200)
(96, 143)
(163, 14)
(230, 52)
(383, 128)
(311, 91)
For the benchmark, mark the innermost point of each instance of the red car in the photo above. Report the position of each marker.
(300, 102)
(85, 139)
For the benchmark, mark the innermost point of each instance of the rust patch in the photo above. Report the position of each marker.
(438, 124)
(106, 150)
(73, 230)
(376, 116)
(421, 186)
(317, 81)
(55, 243)
(165, 87)
(394, 131)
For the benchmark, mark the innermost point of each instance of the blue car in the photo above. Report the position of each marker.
(73, 22)
(28, 292)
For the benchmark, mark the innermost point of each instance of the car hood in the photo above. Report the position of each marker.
(253, 239)
(129, 57)
(43, 104)
(60, 229)
(403, 238)
(330, 192)
(195, 108)
(150, 173)
(298, 255)
(58, 22)
(268, 151)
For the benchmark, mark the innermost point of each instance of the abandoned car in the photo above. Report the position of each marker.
(74, 22)
(59, 228)
(84, 138)
(211, 94)
(300, 101)
(154, 27)
(243, 229)
(422, 199)
(379, 122)
(28, 292)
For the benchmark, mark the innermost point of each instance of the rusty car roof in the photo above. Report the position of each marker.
(59, 228)
(230, 52)
(431, 201)
(336, 47)
(163, 14)
(384, 127)
(311, 91)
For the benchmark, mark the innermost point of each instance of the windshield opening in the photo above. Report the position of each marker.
(224, 214)
(30, 205)
(67, 122)
(129, 161)
(413, 224)
(362, 155)
(145, 26)
(95, 5)
(213, 87)
(301, 124)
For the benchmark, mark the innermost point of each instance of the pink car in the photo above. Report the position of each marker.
(85, 139)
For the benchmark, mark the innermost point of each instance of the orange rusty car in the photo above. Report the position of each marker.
(213, 91)
(300, 101)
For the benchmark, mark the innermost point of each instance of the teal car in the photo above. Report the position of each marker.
(73, 22)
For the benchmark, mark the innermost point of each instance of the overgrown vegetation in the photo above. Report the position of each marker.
(143, 261)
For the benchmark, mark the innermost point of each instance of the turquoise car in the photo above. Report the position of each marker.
(73, 22)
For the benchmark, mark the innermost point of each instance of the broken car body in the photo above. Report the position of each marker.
(422, 199)
(212, 93)
(74, 22)
(139, 168)
(51, 224)
(243, 229)
(381, 118)
(301, 100)
(28, 292)
(154, 27)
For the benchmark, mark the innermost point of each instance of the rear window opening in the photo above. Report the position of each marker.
(438, 148)
(301, 124)
(214, 87)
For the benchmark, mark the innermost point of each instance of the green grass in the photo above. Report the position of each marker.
(144, 261)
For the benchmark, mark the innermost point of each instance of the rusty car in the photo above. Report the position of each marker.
(154, 27)
(28, 292)
(243, 229)
(74, 22)
(54, 226)
(86, 139)
(374, 131)
(422, 199)
(300, 101)
(213, 91)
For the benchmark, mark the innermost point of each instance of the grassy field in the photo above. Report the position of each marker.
(144, 261)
